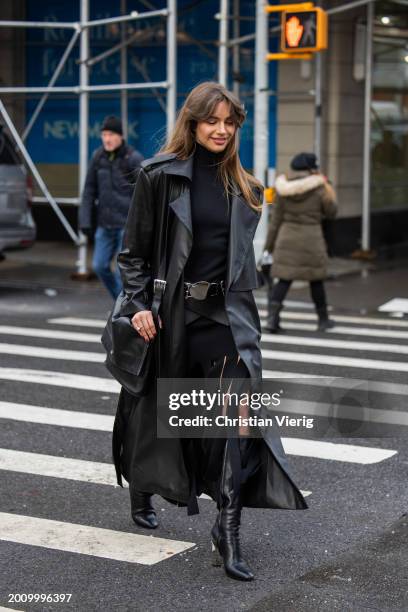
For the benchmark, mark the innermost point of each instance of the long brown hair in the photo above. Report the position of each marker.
(199, 106)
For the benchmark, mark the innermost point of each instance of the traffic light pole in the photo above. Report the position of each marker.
(261, 114)
(365, 225)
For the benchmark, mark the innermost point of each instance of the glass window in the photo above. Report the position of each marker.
(389, 110)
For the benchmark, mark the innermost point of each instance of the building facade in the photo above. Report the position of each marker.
(30, 56)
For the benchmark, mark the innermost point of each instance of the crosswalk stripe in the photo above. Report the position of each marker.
(50, 353)
(263, 301)
(341, 318)
(2, 609)
(348, 453)
(57, 467)
(60, 379)
(106, 385)
(349, 331)
(310, 316)
(55, 416)
(86, 540)
(79, 321)
(379, 347)
(337, 382)
(101, 422)
(52, 466)
(53, 334)
(395, 305)
(363, 414)
(335, 360)
(103, 473)
(86, 337)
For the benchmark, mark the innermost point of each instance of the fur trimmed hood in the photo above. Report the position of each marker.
(298, 186)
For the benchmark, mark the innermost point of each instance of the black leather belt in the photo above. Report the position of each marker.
(203, 289)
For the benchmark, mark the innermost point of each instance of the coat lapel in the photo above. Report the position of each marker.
(244, 221)
(181, 205)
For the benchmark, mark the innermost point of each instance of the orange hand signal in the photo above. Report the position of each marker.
(294, 31)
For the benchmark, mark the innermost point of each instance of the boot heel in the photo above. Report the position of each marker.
(216, 559)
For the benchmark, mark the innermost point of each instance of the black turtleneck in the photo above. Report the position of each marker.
(210, 219)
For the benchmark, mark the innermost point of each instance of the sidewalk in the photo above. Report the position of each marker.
(355, 286)
(45, 265)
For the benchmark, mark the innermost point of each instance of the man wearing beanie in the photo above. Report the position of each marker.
(106, 199)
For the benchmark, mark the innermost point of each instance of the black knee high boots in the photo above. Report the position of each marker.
(225, 533)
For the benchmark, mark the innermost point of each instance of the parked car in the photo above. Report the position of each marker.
(17, 227)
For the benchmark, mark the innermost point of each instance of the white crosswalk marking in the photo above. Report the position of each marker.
(94, 541)
(57, 467)
(102, 422)
(262, 301)
(395, 305)
(349, 453)
(78, 321)
(50, 353)
(54, 416)
(339, 318)
(52, 334)
(338, 361)
(60, 379)
(349, 331)
(330, 343)
(337, 382)
(103, 473)
(106, 385)
(311, 316)
(362, 413)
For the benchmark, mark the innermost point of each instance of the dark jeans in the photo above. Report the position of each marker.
(108, 243)
(279, 290)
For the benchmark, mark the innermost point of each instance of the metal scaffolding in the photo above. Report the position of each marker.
(81, 30)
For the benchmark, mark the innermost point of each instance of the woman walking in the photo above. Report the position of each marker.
(295, 236)
(209, 325)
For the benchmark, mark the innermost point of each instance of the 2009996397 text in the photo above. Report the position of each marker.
(37, 597)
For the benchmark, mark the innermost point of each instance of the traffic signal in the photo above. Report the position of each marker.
(304, 30)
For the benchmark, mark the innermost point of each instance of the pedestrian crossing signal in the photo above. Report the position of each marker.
(304, 30)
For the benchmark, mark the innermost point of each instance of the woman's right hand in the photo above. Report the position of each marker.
(144, 325)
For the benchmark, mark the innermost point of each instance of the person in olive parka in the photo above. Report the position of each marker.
(295, 236)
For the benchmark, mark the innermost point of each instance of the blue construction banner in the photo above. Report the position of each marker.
(54, 136)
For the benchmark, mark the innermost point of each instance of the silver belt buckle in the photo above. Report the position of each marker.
(159, 284)
(199, 290)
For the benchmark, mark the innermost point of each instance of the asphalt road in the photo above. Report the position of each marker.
(348, 551)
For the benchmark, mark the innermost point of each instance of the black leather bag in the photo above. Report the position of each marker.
(128, 357)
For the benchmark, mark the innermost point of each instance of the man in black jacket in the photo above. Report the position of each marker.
(106, 199)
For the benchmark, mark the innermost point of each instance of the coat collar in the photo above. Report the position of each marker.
(181, 167)
(184, 168)
(298, 185)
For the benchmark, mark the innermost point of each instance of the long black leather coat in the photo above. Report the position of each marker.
(158, 466)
